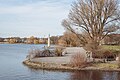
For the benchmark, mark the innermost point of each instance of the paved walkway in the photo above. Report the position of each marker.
(64, 59)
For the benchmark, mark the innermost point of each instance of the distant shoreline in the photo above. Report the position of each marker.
(4, 43)
(13, 43)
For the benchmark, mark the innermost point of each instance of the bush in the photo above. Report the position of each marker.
(40, 53)
(47, 53)
(78, 60)
(58, 51)
(104, 55)
(34, 53)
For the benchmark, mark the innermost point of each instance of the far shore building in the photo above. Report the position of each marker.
(41, 41)
(6, 40)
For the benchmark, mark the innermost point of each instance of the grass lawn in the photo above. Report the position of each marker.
(112, 48)
(106, 65)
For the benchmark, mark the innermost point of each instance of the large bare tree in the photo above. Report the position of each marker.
(97, 18)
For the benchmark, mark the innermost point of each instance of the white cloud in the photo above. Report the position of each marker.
(39, 18)
(15, 10)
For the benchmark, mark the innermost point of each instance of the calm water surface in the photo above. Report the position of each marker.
(11, 67)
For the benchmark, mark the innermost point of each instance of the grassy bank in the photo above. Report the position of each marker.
(67, 67)
(48, 66)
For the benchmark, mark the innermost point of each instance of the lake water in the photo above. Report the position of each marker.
(11, 67)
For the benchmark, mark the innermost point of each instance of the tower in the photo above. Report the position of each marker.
(49, 40)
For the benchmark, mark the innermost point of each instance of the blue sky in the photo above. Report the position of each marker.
(25, 18)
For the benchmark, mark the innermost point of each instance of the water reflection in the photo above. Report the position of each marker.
(95, 75)
(79, 75)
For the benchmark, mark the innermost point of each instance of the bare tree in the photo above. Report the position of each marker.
(97, 18)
